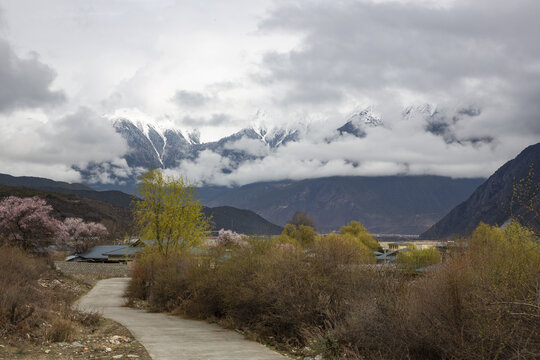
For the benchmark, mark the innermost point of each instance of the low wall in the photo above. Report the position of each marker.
(98, 269)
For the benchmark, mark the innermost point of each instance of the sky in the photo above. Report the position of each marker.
(68, 66)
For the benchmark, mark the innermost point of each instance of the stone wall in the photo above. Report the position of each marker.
(98, 269)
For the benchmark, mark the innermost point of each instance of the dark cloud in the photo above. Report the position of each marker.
(25, 83)
(442, 123)
(471, 52)
(184, 98)
(214, 120)
(470, 111)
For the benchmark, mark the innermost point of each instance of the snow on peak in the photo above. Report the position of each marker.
(425, 110)
(193, 136)
(269, 132)
(366, 117)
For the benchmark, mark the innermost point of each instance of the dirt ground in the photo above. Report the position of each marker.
(106, 340)
(92, 337)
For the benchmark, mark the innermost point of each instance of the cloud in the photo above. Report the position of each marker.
(208, 165)
(250, 146)
(26, 82)
(394, 54)
(405, 148)
(53, 148)
(213, 120)
(184, 98)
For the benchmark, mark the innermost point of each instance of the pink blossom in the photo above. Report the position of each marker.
(27, 222)
(81, 236)
(230, 238)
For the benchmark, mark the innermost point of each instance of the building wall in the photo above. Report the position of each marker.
(99, 269)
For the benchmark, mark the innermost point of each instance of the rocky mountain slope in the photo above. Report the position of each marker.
(495, 201)
(387, 204)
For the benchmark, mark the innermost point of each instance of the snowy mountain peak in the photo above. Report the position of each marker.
(366, 117)
(194, 136)
(425, 110)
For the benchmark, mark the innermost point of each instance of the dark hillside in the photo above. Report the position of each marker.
(491, 202)
(384, 204)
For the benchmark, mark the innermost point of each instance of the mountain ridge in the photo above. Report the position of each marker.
(391, 204)
(492, 202)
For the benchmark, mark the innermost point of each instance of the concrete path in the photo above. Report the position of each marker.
(168, 337)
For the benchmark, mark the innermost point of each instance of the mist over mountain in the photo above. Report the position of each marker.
(264, 152)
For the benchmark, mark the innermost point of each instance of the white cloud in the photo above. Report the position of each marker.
(51, 148)
(250, 146)
(404, 148)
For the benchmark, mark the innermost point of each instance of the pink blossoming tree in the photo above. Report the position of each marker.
(28, 224)
(81, 236)
(230, 238)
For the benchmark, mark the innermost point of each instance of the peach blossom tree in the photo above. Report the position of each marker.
(81, 236)
(28, 223)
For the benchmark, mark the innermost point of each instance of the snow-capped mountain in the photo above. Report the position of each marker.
(359, 121)
(160, 145)
(153, 146)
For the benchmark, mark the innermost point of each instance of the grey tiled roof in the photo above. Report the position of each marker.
(97, 252)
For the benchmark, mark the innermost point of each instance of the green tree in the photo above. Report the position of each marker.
(357, 230)
(302, 234)
(169, 213)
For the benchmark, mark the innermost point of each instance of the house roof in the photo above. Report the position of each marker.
(97, 252)
(125, 250)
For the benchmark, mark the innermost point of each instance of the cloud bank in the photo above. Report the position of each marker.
(309, 62)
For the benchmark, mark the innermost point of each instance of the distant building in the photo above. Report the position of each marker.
(109, 253)
(398, 245)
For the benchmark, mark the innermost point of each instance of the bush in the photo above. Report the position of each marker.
(21, 302)
(482, 303)
(302, 235)
(270, 286)
(357, 230)
(336, 250)
(60, 330)
(413, 258)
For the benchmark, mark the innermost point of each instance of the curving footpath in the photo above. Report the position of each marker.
(168, 337)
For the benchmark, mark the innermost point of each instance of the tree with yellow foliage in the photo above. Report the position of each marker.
(169, 213)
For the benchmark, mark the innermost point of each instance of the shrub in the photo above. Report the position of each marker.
(413, 258)
(60, 330)
(20, 299)
(482, 303)
(336, 250)
(302, 235)
(357, 230)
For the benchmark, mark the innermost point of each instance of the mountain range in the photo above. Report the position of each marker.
(512, 191)
(393, 204)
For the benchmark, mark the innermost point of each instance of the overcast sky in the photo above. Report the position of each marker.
(67, 65)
